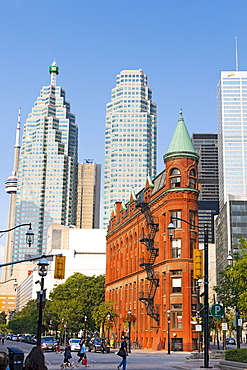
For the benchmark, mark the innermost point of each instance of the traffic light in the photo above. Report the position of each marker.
(59, 270)
(198, 265)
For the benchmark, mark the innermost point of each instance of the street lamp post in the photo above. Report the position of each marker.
(129, 313)
(198, 313)
(108, 322)
(172, 227)
(42, 270)
(230, 260)
(29, 233)
(15, 283)
(85, 327)
(168, 332)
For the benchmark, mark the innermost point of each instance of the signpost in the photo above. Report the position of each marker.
(224, 326)
(217, 311)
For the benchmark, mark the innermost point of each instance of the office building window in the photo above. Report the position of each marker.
(174, 178)
(175, 215)
(176, 248)
(176, 316)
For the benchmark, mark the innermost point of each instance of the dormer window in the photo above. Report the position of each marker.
(192, 182)
(175, 178)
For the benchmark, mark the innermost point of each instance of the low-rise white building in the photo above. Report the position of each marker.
(85, 252)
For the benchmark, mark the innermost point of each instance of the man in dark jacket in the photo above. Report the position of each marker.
(123, 347)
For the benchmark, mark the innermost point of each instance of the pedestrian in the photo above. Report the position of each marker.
(58, 348)
(82, 354)
(123, 353)
(67, 357)
(103, 346)
(4, 360)
(3, 337)
(35, 360)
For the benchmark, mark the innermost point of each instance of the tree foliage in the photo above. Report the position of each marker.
(232, 288)
(2, 318)
(25, 321)
(103, 312)
(68, 305)
(71, 301)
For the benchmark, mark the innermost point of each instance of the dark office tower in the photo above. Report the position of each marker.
(206, 146)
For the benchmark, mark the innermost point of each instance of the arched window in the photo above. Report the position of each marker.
(192, 182)
(174, 178)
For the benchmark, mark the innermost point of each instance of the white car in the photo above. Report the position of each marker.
(74, 344)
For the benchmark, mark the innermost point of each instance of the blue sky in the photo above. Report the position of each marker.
(181, 45)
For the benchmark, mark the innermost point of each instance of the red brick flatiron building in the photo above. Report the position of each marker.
(148, 273)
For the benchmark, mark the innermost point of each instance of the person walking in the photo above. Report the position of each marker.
(82, 353)
(67, 357)
(123, 348)
(35, 360)
(58, 348)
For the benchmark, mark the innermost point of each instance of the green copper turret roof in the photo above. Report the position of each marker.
(181, 144)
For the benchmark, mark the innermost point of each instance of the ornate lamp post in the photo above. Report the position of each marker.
(29, 233)
(168, 332)
(171, 227)
(15, 283)
(108, 325)
(85, 327)
(42, 270)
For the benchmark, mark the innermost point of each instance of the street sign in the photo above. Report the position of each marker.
(217, 311)
(240, 322)
(224, 326)
(198, 327)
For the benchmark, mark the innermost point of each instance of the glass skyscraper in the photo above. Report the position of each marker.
(232, 134)
(130, 139)
(47, 176)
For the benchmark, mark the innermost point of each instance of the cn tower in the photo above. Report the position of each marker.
(11, 188)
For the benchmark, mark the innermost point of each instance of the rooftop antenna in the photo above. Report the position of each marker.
(236, 47)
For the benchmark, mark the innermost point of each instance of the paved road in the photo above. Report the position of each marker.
(137, 360)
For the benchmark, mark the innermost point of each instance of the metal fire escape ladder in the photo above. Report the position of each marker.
(147, 264)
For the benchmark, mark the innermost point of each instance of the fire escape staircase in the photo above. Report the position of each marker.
(147, 264)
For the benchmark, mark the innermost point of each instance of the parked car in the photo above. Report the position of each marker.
(48, 343)
(74, 344)
(19, 337)
(230, 341)
(95, 345)
(14, 338)
(28, 338)
(33, 339)
(23, 338)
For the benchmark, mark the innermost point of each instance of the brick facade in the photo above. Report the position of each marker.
(150, 284)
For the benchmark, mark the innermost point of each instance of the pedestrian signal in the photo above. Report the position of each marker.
(198, 265)
(59, 271)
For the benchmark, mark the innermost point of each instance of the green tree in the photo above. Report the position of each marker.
(71, 301)
(104, 314)
(2, 318)
(68, 303)
(25, 321)
(232, 290)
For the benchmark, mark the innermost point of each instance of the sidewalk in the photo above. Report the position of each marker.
(187, 364)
